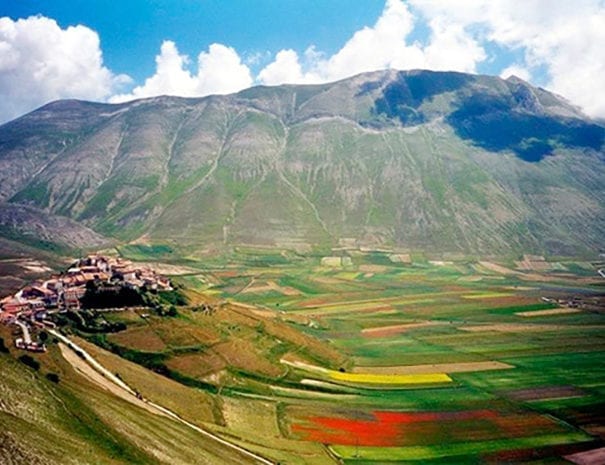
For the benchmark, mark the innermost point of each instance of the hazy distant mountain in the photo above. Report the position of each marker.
(420, 160)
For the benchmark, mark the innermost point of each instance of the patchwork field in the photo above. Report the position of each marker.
(443, 360)
(374, 361)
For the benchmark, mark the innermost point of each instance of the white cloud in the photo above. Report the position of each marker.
(219, 71)
(381, 46)
(171, 77)
(285, 69)
(40, 62)
(452, 48)
(564, 38)
(576, 63)
(384, 45)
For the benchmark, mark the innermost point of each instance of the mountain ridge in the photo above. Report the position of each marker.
(411, 159)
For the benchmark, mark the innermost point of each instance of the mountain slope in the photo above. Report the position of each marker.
(75, 421)
(417, 159)
(35, 227)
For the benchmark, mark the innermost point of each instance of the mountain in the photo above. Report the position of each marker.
(437, 161)
(32, 226)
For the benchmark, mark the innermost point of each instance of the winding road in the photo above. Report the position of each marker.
(26, 335)
(155, 408)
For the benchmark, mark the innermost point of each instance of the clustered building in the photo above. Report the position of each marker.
(64, 291)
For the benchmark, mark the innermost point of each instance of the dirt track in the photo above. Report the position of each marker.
(92, 375)
(100, 375)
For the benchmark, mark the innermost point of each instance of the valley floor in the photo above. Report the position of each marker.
(304, 361)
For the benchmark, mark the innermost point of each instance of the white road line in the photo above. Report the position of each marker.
(26, 336)
(114, 379)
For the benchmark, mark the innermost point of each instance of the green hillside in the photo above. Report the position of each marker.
(416, 160)
(75, 421)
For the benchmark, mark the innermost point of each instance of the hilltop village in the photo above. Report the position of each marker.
(63, 292)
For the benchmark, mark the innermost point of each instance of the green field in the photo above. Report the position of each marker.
(393, 317)
(375, 362)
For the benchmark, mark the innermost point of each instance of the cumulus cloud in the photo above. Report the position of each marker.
(558, 44)
(452, 48)
(563, 38)
(285, 69)
(219, 71)
(383, 45)
(40, 62)
(576, 63)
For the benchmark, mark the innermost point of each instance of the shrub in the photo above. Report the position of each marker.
(172, 311)
(53, 377)
(30, 362)
(174, 297)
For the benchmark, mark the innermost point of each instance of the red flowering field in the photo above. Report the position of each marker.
(397, 429)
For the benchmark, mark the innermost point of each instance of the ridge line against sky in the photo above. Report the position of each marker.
(51, 53)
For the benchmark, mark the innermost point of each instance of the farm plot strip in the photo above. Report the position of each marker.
(549, 312)
(429, 429)
(434, 368)
(417, 453)
(521, 328)
(589, 457)
(544, 393)
(370, 378)
(323, 304)
(392, 330)
(374, 378)
(385, 428)
(486, 295)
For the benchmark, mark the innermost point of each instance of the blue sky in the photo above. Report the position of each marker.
(132, 31)
(120, 50)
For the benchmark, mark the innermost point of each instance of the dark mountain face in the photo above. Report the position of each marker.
(417, 160)
(503, 124)
(514, 121)
(403, 97)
